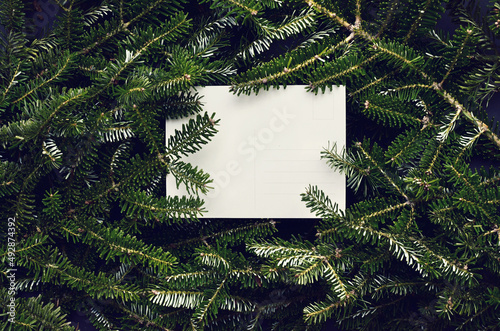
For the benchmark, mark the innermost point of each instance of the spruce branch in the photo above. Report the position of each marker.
(284, 70)
(338, 285)
(457, 56)
(34, 313)
(328, 13)
(114, 243)
(400, 56)
(207, 307)
(371, 84)
(321, 311)
(233, 235)
(247, 7)
(335, 71)
(380, 168)
(194, 179)
(64, 66)
(417, 22)
(176, 299)
(12, 82)
(388, 18)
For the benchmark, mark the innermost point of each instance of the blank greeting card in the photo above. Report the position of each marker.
(267, 151)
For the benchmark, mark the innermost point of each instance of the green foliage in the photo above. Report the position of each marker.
(83, 162)
(418, 246)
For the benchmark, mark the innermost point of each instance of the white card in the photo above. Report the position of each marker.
(267, 151)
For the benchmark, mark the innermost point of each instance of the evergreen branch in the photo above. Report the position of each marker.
(67, 22)
(318, 312)
(200, 317)
(434, 158)
(310, 273)
(176, 299)
(412, 258)
(193, 135)
(340, 63)
(96, 286)
(32, 313)
(12, 82)
(450, 223)
(12, 15)
(238, 304)
(8, 187)
(113, 188)
(460, 109)
(170, 83)
(372, 83)
(294, 25)
(214, 260)
(103, 39)
(473, 205)
(269, 250)
(462, 177)
(399, 287)
(64, 66)
(71, 96)
(403, 149)
(448, 266)
(194, 179)
(388, 18)
(496, 230)
(384, 211)
(401, 250)
(252, 10)
(357, 14)
(416, 22)
(193, 279)
(95, 14)
(490, 181)
(319, 203)
(113, 134)
(412, 87)
(61, 4)
(125, 269)
(467, 142)
(341, 161)
(175, 25)
(447, 128)
(31, 244)
(457, 56)
(145, 125)
(385, 113)
(161, 209)
(124, 245)
(333, 16)
(389, 179)
(232, 234)
(143, 314)
(401, 55)
(371, 310)
(348, 164)
(287, 72)
(474, 317)
(54, 154)
(338, 285)
(299, 261)
(147, 10)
